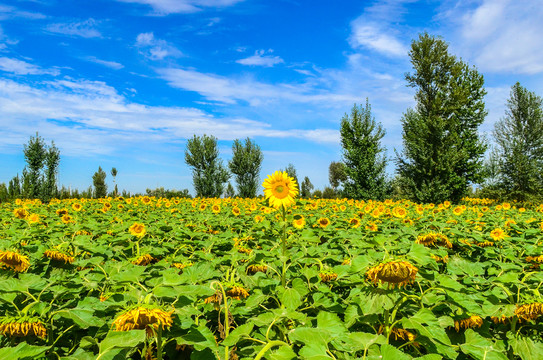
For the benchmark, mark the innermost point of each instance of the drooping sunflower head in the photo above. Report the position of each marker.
(14, 261)
(474, 321)
(20, 213)
(23, 327)
(58, 256)
(237, 292)
(280, 189)
(144, 260)
(137, 229)
(394, 273)
(529, 311)
(147, 317)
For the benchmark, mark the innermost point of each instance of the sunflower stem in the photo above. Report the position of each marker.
(284, 246)
(159, 343)
(269, 346)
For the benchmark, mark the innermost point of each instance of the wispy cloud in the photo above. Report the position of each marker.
(261, 59)
(502, 35)
(110, 64)
(85, 29)
(165, 7)
(156, 49)
(11, 12)
(20, 67)
(373, 30)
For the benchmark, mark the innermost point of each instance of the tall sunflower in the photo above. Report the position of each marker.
(280, 189)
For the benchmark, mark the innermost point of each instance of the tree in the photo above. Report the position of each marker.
(363, 155)
(337, 174)
(306, 187)
(35, 153)
(442, 152)
(52, 161)
(291, 171)
(229, 192)
(208, 173)
(99, 182)
(114, 175)
(245, 165)
(519, 139)
(14, 187)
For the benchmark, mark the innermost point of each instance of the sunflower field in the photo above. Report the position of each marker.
(152, 278)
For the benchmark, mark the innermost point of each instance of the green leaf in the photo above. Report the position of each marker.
(121, 340)
(420, 253)
(200, 337)
(482, 348)
(237, 334)
(84, 318)
(282, 353)
(291, 299)
(23, 351)
(526, 348)
(389, 352)
(331, 323)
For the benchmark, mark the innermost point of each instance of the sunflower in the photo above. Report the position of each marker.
(497, 234)
(146, 200)
(236, 211)
(354, 222)
(61, 212)
(399, 334)
(253, 269)
(473, 321)
(144, 260)
(14, 261)
(237, 292)
(280, 189)
(77, 207)
(20, 213)
(529, 311)
(399, 212)
(458, 210)
(216, 209)
(58, 256)
(371, 226)
(23, 327)
(143, 317)
(299, 223)
(33, 218)
(499, 319)
(327, 276)
(137, 229)
(432, 238)
(324, 222)
(394, 273)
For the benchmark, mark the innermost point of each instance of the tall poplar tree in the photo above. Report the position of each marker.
(442, 151)
(245, 165)
(363, 154)
(519, 137)
(209, 175)
(99, 182)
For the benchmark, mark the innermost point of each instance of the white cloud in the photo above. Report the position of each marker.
(85, 29)
(156, 49)
(11, 12)
(165, 7)
(230, 90)
(261, 59)
(110, 64)
(20, 67)
(503, 35)
(374, 37)
(90, 117)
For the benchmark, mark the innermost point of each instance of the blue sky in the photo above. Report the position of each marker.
(125, 83)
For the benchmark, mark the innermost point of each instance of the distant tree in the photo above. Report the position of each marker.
(168, 194)
(363, 155)
(519, 139)
(337, 174)
(208, 173)
(4, 194)
(99, 182)
(14, 187)
(245, 165)
(317, 194)
(52, 161)
(442, 151)
(229, 192)
(291, 171)
(306, 187)
(328, 193)
(35, 153)
(114, 175)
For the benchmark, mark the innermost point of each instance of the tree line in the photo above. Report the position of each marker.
(443, 155)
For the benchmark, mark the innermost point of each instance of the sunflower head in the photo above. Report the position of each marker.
(14, 261)
(58, 256)
(137, 229)
(299, 223)
(147, 317)
(24, 327)
(20, 213)
(529, 311)
(237, 292)
(324, 222)
(395, 273)
(280, 189)
(474, 321)
(497, 234)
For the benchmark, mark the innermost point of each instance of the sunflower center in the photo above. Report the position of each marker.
(280, 191)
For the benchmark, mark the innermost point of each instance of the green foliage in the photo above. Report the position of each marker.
(14, 187)
(291, 171)
(245, 165)
(230, 192)
(442, 151)
(329, 193)
(363, 155)
(208, 173)
(4, 194)
(114, 175)
(519, 139)
(167, 193)
(337, 174)
(306, 188)
(99, 183)
(40, 174)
